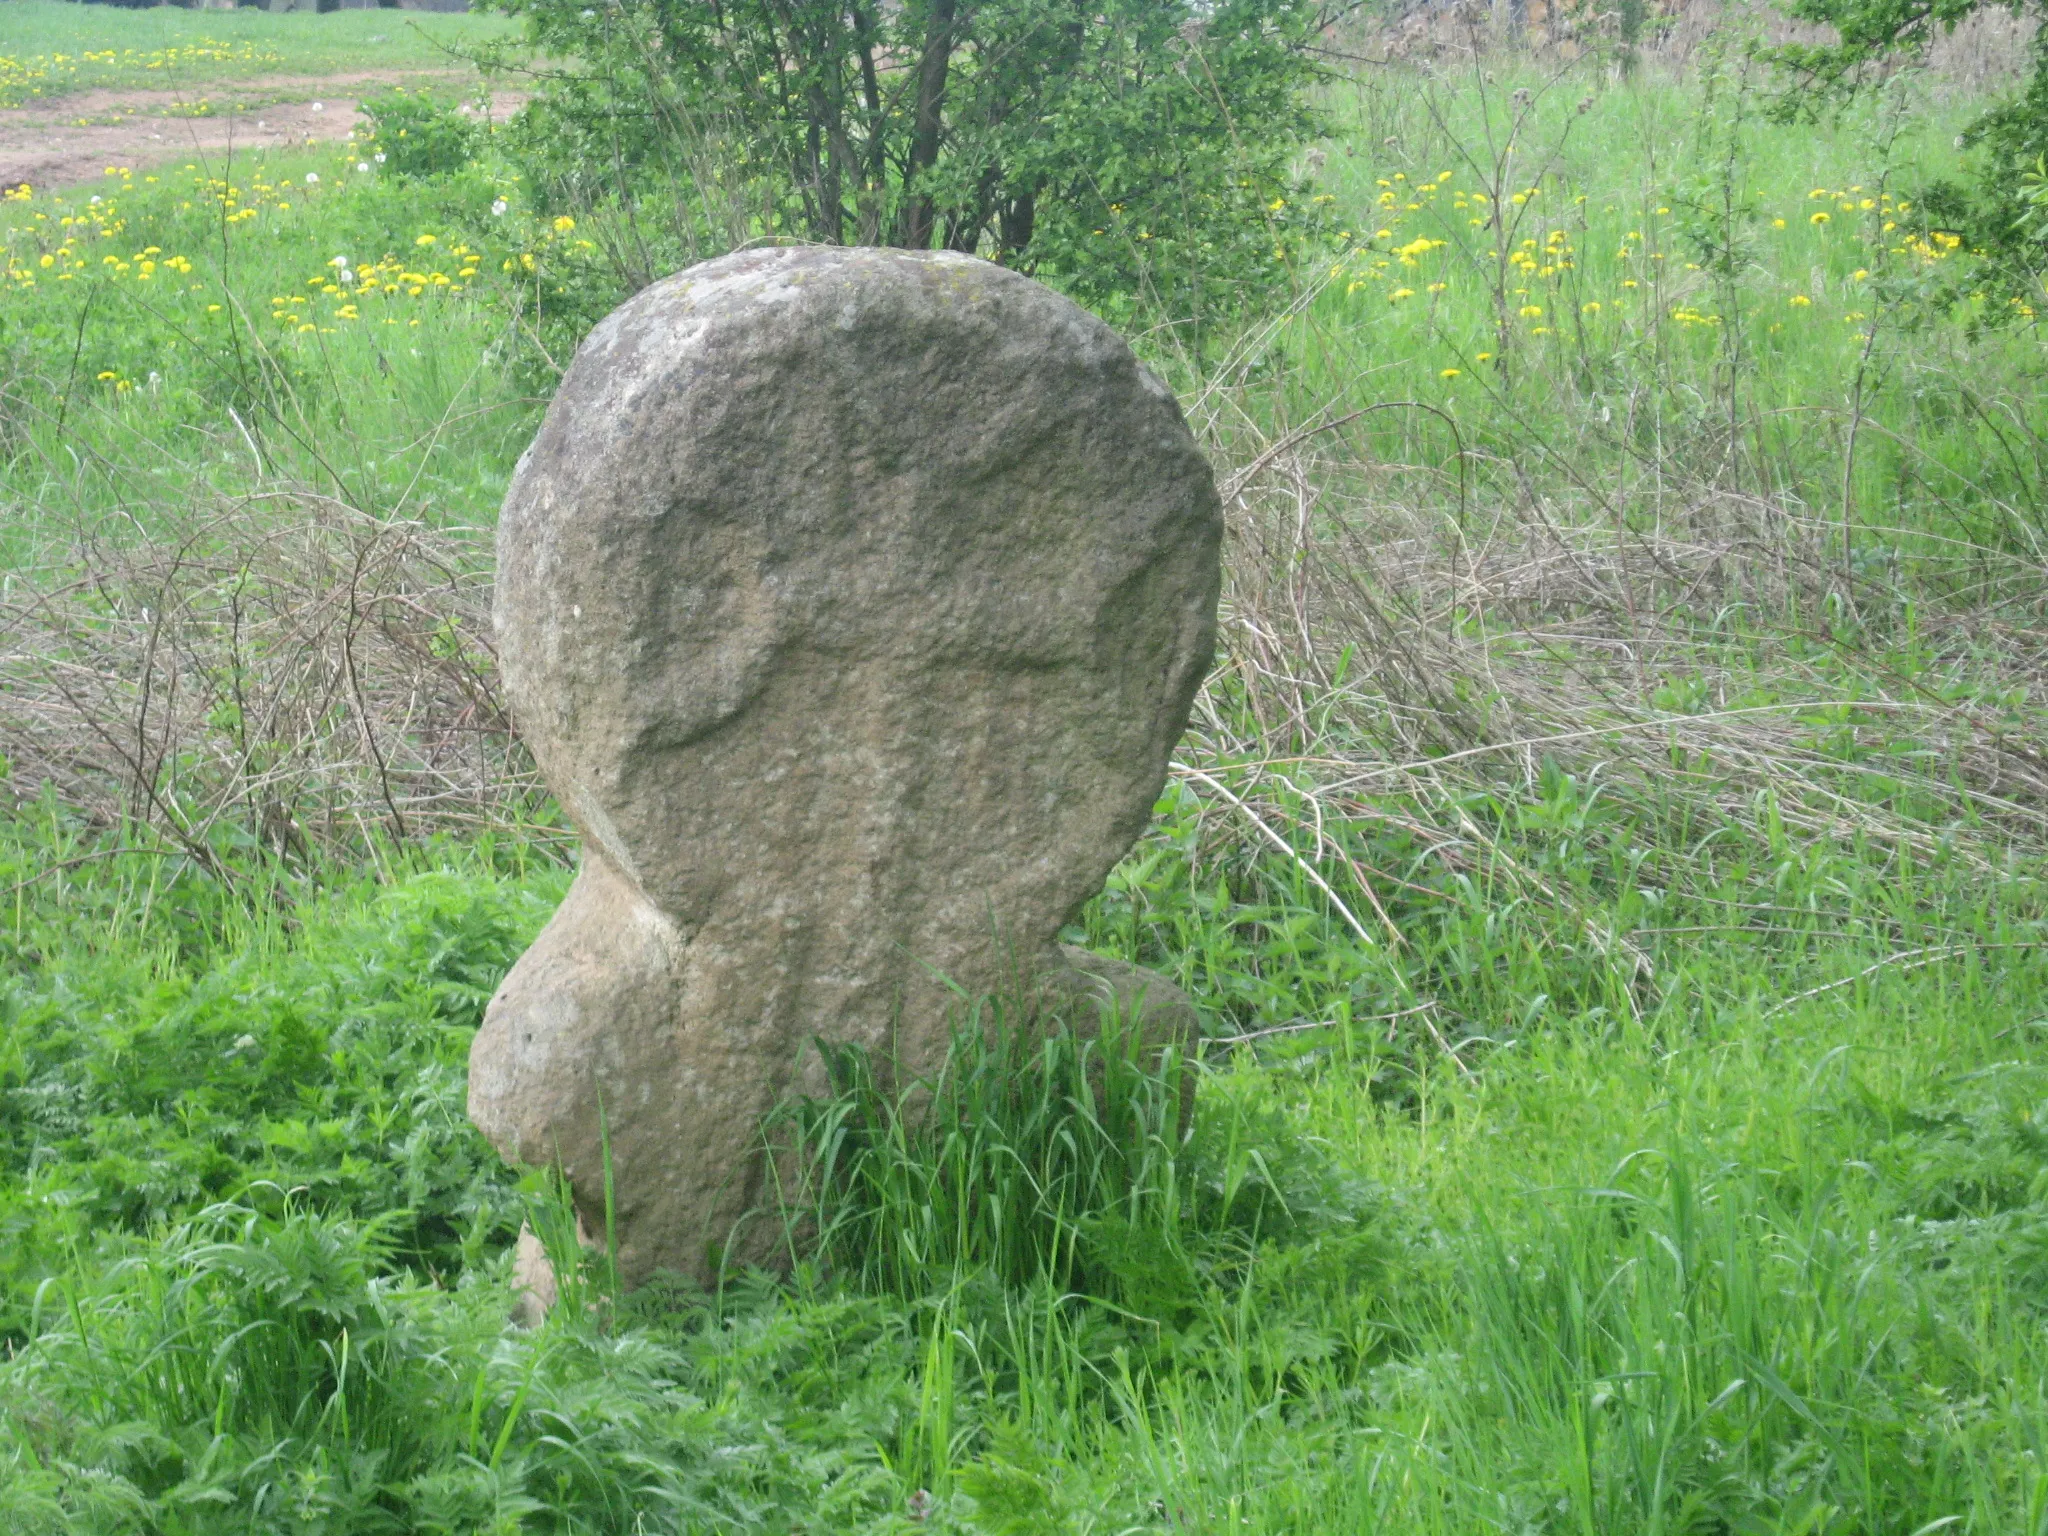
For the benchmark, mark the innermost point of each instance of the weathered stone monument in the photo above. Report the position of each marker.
(851, 602)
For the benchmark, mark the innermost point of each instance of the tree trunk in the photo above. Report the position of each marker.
(1015, 224)
(914, 224)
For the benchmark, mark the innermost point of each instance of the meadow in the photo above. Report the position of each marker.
(1608, 855)
(49, 50)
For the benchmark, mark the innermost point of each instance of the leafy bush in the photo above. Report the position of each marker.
(418, 136)
(1136, 153)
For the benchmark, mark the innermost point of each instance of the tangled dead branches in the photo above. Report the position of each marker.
(283, 669)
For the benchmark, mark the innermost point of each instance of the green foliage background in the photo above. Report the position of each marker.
(1134, 152)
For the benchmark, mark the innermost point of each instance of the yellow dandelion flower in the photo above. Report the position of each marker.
(1531, 311)
(1818, 218)
(1448, 373)
(1801, 301)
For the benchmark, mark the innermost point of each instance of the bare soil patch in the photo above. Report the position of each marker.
(72, 140)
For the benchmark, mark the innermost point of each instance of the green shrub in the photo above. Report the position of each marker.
(417, 136)
(1135, 153)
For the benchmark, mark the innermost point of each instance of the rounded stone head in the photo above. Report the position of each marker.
(851, 601)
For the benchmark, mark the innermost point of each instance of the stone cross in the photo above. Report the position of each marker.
(851, 602)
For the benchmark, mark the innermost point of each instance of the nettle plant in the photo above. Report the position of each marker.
(1138, 152)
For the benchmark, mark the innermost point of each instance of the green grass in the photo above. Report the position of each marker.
(51, 48)
(189, 288)
(1637, 293)
(1717, 1268)
(1608, 857)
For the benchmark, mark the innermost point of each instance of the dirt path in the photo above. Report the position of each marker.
(71, 141)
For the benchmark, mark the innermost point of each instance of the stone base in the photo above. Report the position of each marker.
(566, 1013)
